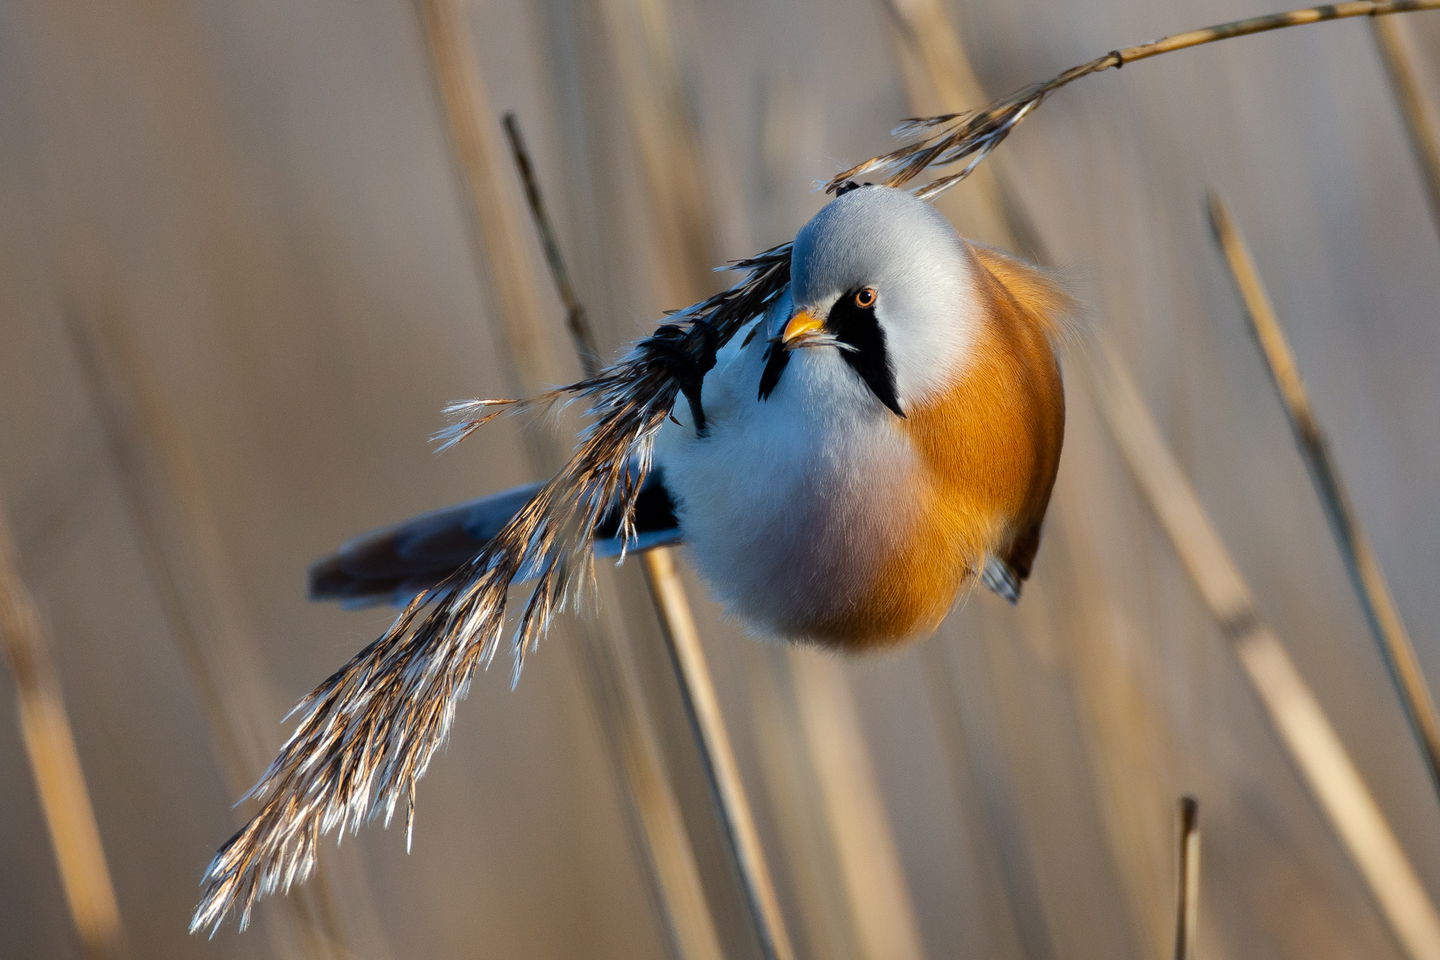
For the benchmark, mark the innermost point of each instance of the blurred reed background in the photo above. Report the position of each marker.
(247, 252)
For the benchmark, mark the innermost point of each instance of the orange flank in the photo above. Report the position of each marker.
(991, 448)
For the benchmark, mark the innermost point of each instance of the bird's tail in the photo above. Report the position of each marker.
(395, 563)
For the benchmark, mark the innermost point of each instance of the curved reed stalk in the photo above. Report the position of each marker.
(972, 135)
(1382, 615)
(496, 231)
(367, 733)
(878, 898)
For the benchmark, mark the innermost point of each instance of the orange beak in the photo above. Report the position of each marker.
(802, 324)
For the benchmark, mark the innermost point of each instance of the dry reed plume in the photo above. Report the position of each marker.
(682, 641)
(367, 733)
(497, 234)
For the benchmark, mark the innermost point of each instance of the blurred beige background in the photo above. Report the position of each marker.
(236, 287)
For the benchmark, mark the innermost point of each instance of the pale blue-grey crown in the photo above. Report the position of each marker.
(885, 238)
(869, 235)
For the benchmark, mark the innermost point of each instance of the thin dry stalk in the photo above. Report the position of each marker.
(935, 66)
(821, 922)
(670, 856)
(55, 764)
(1304, 731)
(702, 706)
(678, 185)
(1127, 719)
(1381, 614)
(655, 816)
(852, 850)
(671, 158)
(165, 496)
(1187, 878)
(122, 403)
(652, 96)
(978, 774)
(930, 41)
(652, 811)
(495, 221)
(1417, 114)
(577, 322)
(972, 135)
(936, 70)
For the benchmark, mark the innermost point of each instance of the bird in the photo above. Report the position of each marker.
(883, 436)
(845, 443)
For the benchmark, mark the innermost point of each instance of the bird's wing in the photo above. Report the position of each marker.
(395, 563)
(731, 384)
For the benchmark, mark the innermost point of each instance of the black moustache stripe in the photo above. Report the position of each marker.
(860, 328)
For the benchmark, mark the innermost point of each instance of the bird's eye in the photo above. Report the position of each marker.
(865, 299)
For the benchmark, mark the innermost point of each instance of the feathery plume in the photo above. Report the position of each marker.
(368, 732)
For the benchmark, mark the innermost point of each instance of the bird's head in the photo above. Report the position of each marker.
(883, 279)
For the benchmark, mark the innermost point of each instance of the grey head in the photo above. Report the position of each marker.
(885, 279)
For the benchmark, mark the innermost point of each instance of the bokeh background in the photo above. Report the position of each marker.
(241, 271)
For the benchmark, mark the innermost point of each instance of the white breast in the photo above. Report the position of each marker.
(785, 501)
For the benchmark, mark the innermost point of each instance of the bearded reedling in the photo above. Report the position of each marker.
(887, 432)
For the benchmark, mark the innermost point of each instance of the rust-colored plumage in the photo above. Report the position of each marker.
(990, 447)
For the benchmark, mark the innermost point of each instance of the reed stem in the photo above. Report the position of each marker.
(677, 624)
(54, 759)
(1382, 615)
(1187, 878)
(494, 221)
(656, 824)
(878, 899)
(692, 926)
(1417, 115)
(1306, 734)
(1264, 23)
(702, 706)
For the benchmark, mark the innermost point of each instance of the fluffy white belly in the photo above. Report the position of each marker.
(789, 505)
